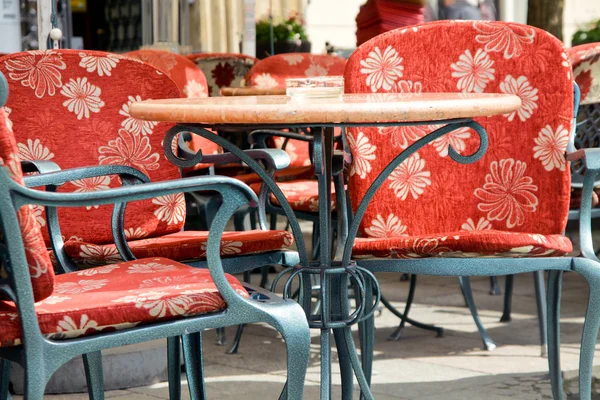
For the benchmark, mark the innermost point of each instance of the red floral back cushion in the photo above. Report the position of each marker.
(522, 183)
(223, 69)
(273, 71)
(189, 79)
(72, 107)
(38, 261)
(187, 76)
(586, 68)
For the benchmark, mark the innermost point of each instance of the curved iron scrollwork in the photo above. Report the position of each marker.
(359, 279)
(173, 133)
(400, 158)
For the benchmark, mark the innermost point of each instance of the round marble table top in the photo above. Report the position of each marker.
(348, 108)
(251, 91)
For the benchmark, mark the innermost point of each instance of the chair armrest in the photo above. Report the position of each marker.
(591, 160)
(41, 166)
(51, 180)
(259, 136)
(275, 159)
(235, 194)
(59, 177)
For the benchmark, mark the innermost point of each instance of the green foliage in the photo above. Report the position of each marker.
(290, 29)
(590, 34)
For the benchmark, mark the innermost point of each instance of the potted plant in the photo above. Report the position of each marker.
(589, 34)
(289, 36)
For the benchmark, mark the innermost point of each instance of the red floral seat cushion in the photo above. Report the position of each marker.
(72, 107)
(180, 246)
(586, 68)
(119, 296)
(475, 243)
(303, 195)
(38, 261)
(223, 69)
(522, 188)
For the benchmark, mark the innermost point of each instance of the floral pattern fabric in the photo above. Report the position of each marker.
(38, 261)
(119, 296)
(390, 240)
(223, 69)
(274, 70)
(586, 68)
(180, 246)
(513, 188)
(302, 194)
(72, 107)
(189, 78)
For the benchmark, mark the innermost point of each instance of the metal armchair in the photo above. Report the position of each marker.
(522, 193)
(35, 339)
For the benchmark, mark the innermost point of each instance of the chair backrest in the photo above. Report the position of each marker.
(223, 69)
(274, 70)
(185, 73)
(586, 70)
(72, 107)
(38, 260)
(521, 184)
(189, 78)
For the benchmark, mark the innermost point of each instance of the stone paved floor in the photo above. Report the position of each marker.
(419, 366)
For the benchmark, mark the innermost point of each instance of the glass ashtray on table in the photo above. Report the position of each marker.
(315, 87)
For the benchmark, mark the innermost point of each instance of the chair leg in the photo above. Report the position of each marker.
(297, 343)
(5, 379)
(174, 367)
(553, 295)
(438, 330)
(494, 287)
(264, 276)
(92, 363)
(540, 297)
(397, 334)
(589, 337)
(465, 285)
(508, 292)
(212, 206)
(239, 220)
(192, 353)
(273, 222)
(221, 339)
(35, 381)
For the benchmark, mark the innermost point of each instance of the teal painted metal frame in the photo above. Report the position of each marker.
(41, 357)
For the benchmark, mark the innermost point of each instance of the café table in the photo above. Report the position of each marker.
(322, 115)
